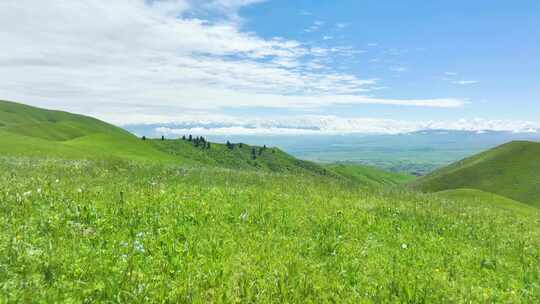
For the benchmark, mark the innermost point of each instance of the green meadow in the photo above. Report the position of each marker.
(92, 214)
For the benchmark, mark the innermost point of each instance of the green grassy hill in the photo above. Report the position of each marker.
(30, 131)
(96, 215)
(511, 170)
(369, 175)
(102, 232)
(486, 199)
(20, 119)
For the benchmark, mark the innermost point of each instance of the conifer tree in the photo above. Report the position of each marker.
(162, 137)
(253, 153)
(144, 138)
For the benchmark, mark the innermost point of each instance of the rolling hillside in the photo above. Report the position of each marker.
(31, 131)
(486, 199)
(511, 170)
(103, 232)
(20, 119)
(170, 225)
(369, 175)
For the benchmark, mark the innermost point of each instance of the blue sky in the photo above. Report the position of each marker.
(277, 66)
(496, 44)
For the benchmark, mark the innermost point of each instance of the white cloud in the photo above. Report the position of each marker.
(398, 69)
(324, 125)
(228, 7)
(465, 82)
(314, 27)
(131, 56)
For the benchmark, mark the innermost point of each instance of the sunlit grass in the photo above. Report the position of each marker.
(83, 231)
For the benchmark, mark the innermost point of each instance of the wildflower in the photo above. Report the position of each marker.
(39, 190)
(27, 193)
(57, 180)
(139, 246)
(244, 216)
(34, 252)
(79, 190)
(404, 246)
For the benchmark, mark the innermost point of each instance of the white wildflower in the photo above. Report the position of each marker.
(404, 246)
(138, 246)
(244, 216)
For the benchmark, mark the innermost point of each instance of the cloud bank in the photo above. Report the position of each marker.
(131, 58)
(327, 125)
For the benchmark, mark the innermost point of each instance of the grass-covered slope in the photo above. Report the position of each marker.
(20, 119)
(487, 199)
(98, 232)
(511, 170)
(30, 131)
(367, 175)
(110, 218)
(238, 156)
